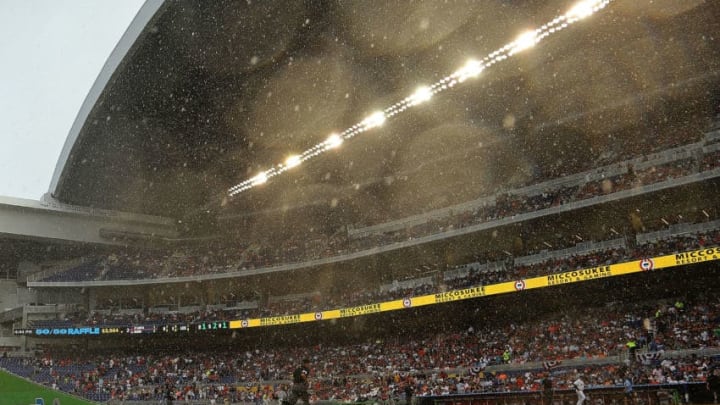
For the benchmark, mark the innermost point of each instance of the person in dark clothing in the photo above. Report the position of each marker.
(300, 385)
(713, 384)
(547, 390)
(408, 393)
(169, 394)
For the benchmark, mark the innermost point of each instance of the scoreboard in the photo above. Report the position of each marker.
(214, 325)
(124, 329)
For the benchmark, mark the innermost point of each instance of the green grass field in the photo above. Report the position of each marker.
(16, 391)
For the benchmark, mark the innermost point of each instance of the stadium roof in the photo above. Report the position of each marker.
(200, 96)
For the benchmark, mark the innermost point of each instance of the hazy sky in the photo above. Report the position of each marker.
(51, 51)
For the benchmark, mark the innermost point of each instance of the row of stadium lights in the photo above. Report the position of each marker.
(470, 70)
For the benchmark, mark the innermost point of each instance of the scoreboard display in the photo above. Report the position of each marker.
(214, 325)
(135, 329)
(125, 329)
(176, 327)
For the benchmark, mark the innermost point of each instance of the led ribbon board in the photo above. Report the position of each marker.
(515, 286)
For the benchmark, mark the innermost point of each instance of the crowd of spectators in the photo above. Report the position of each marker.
(220, 257)
(433, 364)
(313, 301)
(447, 363)
(510, 204)
(615, 149)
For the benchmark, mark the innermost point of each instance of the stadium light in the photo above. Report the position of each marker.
(471, 69)
(526, 40)
(421, 95)
(333, 141)
(292, 161)
(375, 119)
(582, 9)
(259, 179)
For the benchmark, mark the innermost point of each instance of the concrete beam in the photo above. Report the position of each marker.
(51, 220)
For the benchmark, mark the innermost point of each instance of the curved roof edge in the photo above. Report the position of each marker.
(132, 33)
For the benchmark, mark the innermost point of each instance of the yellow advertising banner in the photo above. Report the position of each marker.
(567, 277)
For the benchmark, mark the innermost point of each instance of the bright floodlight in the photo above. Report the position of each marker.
(582, 9)
(471, 69)
(292, 161)
(421, 95)
(333, 141)
(259, 179)
(374, 120)
(524, 41)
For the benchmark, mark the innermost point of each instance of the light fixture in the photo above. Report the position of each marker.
(259, 179)
(292, 161)
(582, 9)
(421, 95)
(471, 69)
(374, 120)
(333, 141)
(526, 40)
